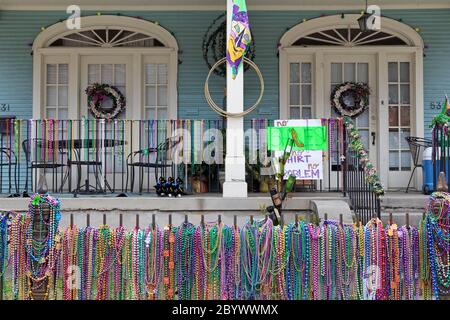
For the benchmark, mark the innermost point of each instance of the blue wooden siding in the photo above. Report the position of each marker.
(19, 28)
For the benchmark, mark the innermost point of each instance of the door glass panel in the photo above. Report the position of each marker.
(306, 95)
(150, 96)
(162, 113)
(364, 138)
(93, 73)
(393, 160)
(393, 72)
(63, 96)
(162, 96)
(306, 72)
(63, 73)
(295, 95)
(295, 72)
(295, 112)
(300, 89)
(150, 73)
(156, 91)
(393, 116)
(363, 119)
(52, 73)
(404, 133)
(393, 139)
(51, 113)
(349, 72)
(51, 96)
(363, 72)
(107, 73)
(405, 116)
(57, 90)
(393, 94)
(404, 93)
(399, 116)
(162, 73)
(120, 74)
(406, 160)
(404, 72)
(336, 73)
(307, 113)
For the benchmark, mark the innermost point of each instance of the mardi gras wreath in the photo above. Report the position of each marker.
(97, 94)
(350, 98)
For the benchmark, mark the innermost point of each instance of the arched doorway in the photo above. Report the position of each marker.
(319, 54)
(137, 56)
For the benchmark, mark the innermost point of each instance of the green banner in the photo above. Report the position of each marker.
(306, 138)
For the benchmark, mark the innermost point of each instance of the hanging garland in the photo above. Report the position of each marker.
(357, 146)
(350, 98)
(98, 93)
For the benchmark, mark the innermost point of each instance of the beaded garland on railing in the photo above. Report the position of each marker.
(34, 260)
(299, 261)
(436, 241)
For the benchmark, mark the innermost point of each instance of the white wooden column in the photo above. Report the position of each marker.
(234, 185)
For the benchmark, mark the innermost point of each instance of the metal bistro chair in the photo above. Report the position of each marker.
(8, 158)
(42, 164)
(416, 147)
(160, 163)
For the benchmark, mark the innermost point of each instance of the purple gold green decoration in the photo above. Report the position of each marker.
(240, 36)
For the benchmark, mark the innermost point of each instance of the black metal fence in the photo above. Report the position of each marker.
(365, 203)
(101, 156)
(440, 156)
(90, 156)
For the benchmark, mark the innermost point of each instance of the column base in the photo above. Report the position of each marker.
(235, 189)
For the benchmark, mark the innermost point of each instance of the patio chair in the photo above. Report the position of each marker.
(9, 160)
(416, 147)
(42, 164)
(8, 156)
(143, 159)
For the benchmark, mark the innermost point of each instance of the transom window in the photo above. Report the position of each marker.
(350, 37)
(107, 38)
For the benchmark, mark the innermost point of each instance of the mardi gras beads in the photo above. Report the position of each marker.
(424, 266)
(184, 250)
(4, 242)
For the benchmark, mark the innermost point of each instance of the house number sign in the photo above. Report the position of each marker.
(436, 105)
(4, 107)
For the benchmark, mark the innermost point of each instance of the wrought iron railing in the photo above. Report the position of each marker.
(101, 156)
(128, 156)
(364, 201)
(440, 153)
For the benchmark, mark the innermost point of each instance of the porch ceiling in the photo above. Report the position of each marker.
(214, 4)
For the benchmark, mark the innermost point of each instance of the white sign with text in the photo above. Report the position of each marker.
(303, 164)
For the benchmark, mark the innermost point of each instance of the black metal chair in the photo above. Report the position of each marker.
(162, 161)
(416, 147)
(40, 163)
(8, 159)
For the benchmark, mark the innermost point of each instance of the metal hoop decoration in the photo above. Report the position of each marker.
(219, 110)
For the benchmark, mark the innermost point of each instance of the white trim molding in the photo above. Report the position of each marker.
(47, 36)
(388, 25)
(256, 5)
(43, 51)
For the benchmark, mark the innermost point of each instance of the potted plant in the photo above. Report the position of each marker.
(199, 178)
